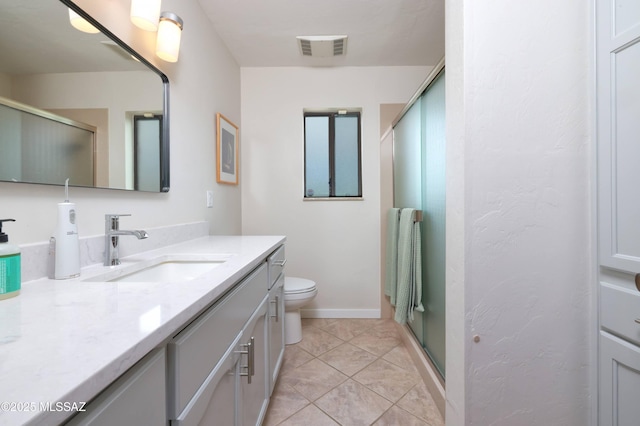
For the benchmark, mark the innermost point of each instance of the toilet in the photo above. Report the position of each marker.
(297, 293)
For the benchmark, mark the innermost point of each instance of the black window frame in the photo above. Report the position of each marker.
(331, 115)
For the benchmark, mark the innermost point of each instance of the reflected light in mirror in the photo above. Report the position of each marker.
(79, 23)
(145, 14)
(168, 38)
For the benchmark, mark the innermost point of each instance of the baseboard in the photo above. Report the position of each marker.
(431, 378)
(340, 313)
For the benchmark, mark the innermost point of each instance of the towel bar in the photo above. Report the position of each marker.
(418, 218)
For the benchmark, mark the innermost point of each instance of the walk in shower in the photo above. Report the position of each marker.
(419, 182)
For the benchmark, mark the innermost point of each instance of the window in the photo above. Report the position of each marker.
(147, 141)
(332, 162)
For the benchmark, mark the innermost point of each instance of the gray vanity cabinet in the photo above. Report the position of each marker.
(276, 262)
(276, 330)
(254, 380)
(136, 398)
(217, 365)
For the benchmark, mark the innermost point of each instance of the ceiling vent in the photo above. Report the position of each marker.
(322, 46)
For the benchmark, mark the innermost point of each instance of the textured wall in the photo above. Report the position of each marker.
(519, 257)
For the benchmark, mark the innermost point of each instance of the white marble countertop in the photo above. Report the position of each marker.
(66, 340)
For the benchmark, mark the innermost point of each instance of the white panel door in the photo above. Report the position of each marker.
(619, 382)
(618, 120)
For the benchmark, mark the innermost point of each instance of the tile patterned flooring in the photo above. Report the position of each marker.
(350, 372)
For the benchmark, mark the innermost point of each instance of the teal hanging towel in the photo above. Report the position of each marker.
(409, 267)
(391, 270)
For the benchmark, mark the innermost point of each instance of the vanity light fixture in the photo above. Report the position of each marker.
(168, 37)
(79, 23)
(145, 14)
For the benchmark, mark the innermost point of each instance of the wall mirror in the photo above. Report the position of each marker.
(78, 105)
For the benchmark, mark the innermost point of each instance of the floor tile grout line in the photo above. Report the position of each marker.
(377, 357)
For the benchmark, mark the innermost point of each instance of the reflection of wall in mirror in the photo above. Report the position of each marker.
(5, 85)
(135, 90)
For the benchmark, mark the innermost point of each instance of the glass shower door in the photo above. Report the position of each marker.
(419, 182)
(433, 223)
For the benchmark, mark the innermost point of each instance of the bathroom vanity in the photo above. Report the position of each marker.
(90, 352)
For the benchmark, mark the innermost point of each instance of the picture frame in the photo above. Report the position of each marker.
(227, 158)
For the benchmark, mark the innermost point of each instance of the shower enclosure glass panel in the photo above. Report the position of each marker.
(407, 166)
(419, 182)
(433, 223)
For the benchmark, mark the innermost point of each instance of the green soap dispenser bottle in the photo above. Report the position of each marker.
(9, 265)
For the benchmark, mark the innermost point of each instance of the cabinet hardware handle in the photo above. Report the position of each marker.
(637, 280)
(280, 262)
(250, 358)
(637, 320)
(277, 302)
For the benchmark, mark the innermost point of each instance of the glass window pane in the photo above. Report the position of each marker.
(316, 156)
(346, 156)
(147, 139)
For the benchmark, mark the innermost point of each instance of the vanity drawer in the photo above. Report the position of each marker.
(124, 401)
(196, 350)
(276, 264)
(620, 311)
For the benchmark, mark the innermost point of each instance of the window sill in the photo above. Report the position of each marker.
(333, 199)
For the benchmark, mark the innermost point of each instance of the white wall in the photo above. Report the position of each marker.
(518, 212)
(335, 243)
(204, 81)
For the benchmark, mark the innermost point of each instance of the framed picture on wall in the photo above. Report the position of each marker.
(227, 162)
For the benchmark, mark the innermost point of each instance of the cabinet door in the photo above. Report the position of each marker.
(618, 109)
(619, 382)
(276, 330)
(196, 350)
(136, 398)
(215, 401)
(254, 382)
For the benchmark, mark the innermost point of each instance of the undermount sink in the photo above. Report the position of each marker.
(164, 269)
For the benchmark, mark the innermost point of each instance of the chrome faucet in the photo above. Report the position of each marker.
(112, 233)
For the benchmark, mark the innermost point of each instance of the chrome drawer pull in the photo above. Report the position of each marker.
(637, 320)
(279, 262)
(250, 360)
(277, 302)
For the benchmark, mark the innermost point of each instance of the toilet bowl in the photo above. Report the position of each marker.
(297, 293)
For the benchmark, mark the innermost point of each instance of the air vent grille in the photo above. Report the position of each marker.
(305, 46)
(322, 46)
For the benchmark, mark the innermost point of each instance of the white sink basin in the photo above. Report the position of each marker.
(163, 269)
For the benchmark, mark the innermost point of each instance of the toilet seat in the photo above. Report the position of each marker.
(294, 285)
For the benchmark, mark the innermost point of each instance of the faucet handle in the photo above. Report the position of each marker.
(115, 215)
(111, 222)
